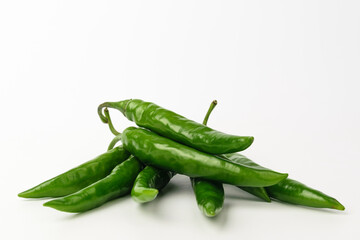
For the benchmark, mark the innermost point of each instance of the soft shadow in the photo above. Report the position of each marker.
(153, 207)
(168, 189)
(36, 199)
(106, 205)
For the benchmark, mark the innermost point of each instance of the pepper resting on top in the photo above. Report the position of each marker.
(163, 153)
(178, 128)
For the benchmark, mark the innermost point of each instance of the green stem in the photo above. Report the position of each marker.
(121, 106)
(100, 112)
(105, 105)
(114, 141)
(117, 134)
(211, 108)
(111, 126)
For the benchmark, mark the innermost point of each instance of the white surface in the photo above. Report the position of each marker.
(286, 72)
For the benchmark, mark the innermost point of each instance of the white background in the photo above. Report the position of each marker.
(286, 72)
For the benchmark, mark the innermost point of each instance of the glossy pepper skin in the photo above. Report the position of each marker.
(166, 154)
(78, 177)
(209, 196)
(288, 190)
(238, 158)
(294, 192)
(148, 184)
(116, 184)
(149, 181)
(178, 128)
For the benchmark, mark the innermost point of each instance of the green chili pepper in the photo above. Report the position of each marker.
(148, 183)
(288, 190)
(294, 192)
(166, 154)
(117, 184)
(177, 128)
(79, 177)
(209, 194)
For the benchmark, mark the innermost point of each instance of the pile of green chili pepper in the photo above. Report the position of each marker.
(165, 144)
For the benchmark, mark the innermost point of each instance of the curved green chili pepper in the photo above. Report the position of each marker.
(166, 154)
(177, 127)
(288, 190)
(148, 183)
(117, 184)
(295, 192)
(209, 196)
(78, 177)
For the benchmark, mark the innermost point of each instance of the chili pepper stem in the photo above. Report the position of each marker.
(100, 112)
(115, 140)
(121, 106)
(117, 134)
(211, 108)
(110, 124)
